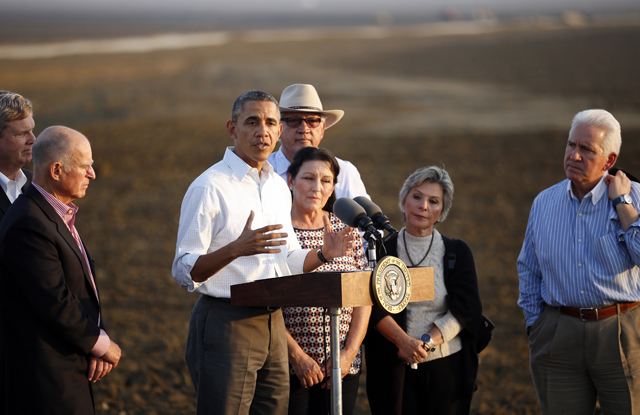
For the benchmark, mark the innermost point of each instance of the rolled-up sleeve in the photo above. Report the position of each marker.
(631, 237)
(295, 260)
(194, 235)
(632, 241)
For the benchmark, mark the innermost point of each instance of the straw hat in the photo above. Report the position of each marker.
(304, 98)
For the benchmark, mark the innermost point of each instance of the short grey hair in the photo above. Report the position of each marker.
(53, 145)
(255, 95)
(431, 174)
(612, 140)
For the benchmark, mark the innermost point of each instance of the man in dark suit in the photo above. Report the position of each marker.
(16, 140)
(54, 337)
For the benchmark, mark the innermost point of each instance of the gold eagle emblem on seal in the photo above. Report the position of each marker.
(391, 284)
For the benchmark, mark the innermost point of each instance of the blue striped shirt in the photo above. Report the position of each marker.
(576, 254)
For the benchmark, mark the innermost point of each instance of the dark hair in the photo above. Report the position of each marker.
(316, 154)
(255, 95)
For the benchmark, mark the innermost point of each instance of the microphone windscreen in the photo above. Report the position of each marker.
(371, 208)
(348, 211)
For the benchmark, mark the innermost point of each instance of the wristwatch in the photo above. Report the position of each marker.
(624, 198)
(427, 343)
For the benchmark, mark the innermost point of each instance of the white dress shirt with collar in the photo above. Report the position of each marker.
(13, 188)
(214, 212)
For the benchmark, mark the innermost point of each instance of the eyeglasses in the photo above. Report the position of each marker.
(294, 122)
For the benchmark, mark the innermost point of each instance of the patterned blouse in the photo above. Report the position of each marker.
(306, 323)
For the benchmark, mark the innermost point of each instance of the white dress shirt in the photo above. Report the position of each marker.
(214, 213)
(349, 181)
(13, 188)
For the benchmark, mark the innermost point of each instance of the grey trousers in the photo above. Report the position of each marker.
(575, 362)
(237, 358)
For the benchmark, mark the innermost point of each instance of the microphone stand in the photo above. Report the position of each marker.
(390, 235)
(336, 370)
(373, 260)
(334, 321)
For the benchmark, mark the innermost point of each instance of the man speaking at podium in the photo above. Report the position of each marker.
(235, 227)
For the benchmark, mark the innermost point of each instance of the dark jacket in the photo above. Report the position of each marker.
(385, 371)
(5, 203)
(49, 311)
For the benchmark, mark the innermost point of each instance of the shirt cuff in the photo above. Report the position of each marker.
(102, 345)
(182, 272)
(449, 326)
(295, 260)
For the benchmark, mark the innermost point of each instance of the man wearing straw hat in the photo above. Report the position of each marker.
(303, 122)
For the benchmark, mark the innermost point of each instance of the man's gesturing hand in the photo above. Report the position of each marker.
(259, 241)
(250, 242)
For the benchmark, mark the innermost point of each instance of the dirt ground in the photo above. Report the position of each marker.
(493, 109)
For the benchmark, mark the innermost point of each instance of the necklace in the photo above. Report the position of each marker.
(406, 249)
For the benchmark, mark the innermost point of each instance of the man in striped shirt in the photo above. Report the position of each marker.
(580, 281)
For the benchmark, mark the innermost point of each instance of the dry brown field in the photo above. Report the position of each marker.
(494, 109)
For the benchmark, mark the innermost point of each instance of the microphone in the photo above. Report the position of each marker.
(354, 215)
(375, 213)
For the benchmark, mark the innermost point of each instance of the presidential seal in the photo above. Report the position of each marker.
(391, 284)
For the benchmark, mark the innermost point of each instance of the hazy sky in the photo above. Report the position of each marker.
(253, 6)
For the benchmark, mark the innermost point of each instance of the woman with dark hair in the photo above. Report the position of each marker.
(424, 360)
(312, 177)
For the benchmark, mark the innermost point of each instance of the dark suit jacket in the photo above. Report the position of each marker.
(49, 311)
(4, 200)
(4, 205)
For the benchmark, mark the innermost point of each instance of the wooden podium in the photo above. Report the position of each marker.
(326, 289)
